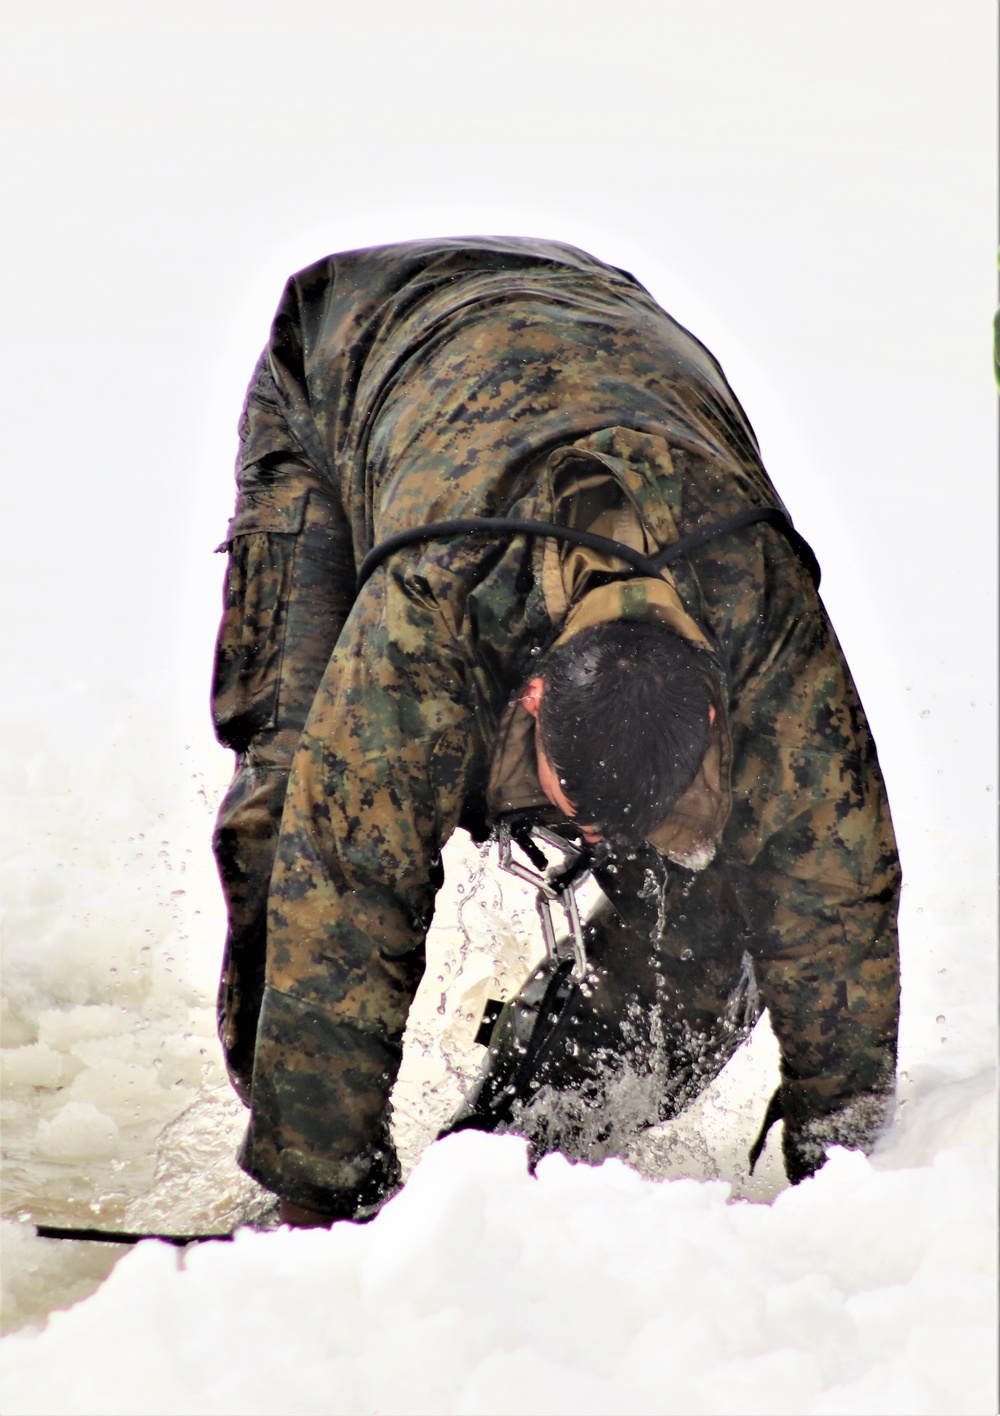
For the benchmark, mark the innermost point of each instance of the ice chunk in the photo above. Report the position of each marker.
(78, 1131)
(35, 1065)
(62, 1027)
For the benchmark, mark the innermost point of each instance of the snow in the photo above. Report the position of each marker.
(480, 1289)
(810, 190)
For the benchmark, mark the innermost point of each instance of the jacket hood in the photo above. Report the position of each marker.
(691, 830)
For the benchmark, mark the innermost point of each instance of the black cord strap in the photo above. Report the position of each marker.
(646, 565)
(113, 1236)
(773, 515)
(500, 526)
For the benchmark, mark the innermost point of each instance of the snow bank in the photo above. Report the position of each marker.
(478, 1289)
(481, 1290)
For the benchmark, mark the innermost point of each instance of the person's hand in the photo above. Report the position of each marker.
(856, 1124)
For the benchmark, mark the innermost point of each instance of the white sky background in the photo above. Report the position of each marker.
(809, 187)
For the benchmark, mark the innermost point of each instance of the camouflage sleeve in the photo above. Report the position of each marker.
(813, 826)
(827, 964)
(377, 786)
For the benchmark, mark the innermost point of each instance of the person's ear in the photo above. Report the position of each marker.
(711, 714)
(531, 698)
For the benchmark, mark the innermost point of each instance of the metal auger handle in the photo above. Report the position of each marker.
(574, 870)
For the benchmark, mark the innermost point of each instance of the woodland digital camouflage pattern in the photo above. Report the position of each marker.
(486, 377)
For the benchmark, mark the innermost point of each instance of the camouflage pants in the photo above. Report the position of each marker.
(289, 587)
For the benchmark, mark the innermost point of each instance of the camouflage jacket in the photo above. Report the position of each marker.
(499, 377)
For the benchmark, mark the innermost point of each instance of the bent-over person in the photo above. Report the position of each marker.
(646, 672)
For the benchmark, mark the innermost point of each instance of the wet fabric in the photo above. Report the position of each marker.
(411, 384)
(582, 1065)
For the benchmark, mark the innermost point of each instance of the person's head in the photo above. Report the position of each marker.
(623, 712)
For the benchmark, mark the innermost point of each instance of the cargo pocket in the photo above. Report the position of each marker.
(261, 542)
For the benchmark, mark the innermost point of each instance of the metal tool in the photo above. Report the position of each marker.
(555, 884)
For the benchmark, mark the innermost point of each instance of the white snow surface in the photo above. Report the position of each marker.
(480, 1289)
(811, 190)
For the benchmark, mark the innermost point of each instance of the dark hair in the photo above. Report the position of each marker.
(624, 721)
